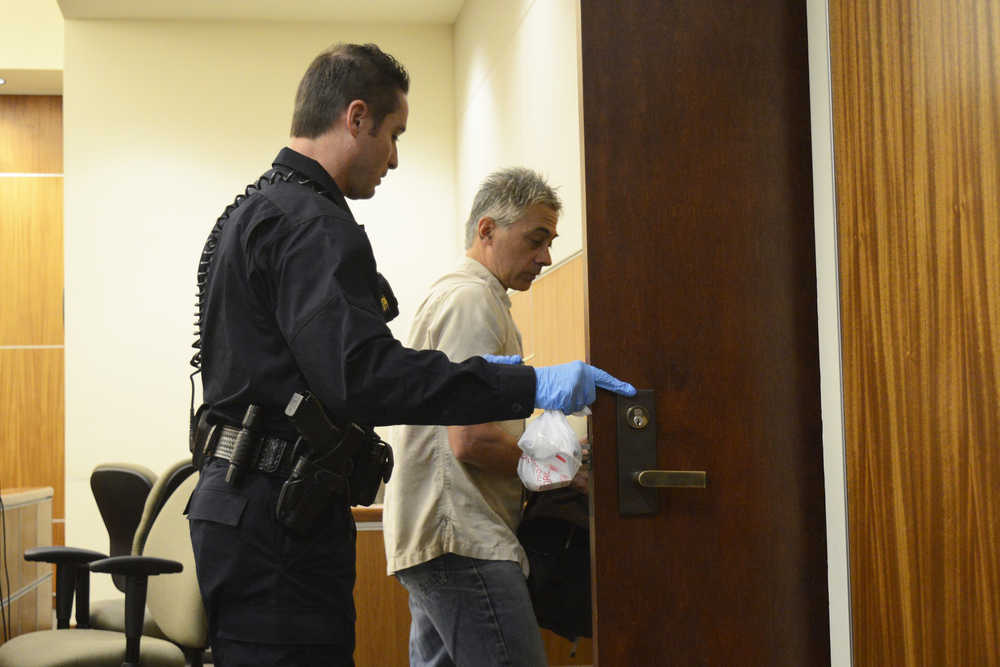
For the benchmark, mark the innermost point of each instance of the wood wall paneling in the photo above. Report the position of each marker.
(31, 261)
(31, 427)
(557, 311)
(382, 604)
(561, 652)
(916, 89)
(31, 307)
(520, 310)
(31, 134)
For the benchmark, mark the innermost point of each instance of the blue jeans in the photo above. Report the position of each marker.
(468, 612)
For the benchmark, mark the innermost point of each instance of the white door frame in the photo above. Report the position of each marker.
(828, 306)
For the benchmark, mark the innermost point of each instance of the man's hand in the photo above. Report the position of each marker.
(573, 386)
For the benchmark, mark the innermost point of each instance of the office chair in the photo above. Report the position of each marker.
(175, 600)
(110, 614)
(120, 490)
(164, 489)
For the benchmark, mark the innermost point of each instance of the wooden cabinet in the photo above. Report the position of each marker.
(27, 516)
(383, 627)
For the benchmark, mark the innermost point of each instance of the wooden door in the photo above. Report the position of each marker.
(701, 286)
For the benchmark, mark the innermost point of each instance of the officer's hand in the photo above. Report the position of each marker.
(573, 386)
(512, 359)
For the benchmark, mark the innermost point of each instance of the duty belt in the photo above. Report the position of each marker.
(274, 455)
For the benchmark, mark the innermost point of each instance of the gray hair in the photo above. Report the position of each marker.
(505, 195)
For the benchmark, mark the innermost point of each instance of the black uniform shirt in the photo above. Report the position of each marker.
(293, 303)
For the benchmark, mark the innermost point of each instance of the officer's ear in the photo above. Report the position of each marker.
(357, 110)
(485, 229)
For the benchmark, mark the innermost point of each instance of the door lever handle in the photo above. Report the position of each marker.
(638, 478)
(666, 479)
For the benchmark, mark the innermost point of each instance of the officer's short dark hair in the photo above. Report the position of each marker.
(338, 76)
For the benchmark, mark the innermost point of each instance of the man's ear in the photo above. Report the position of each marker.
(486, 226)
(356, 112)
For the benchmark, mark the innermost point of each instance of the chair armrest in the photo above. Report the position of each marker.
(136, 565)
(62, 555)
(72, 579)
(137, 570)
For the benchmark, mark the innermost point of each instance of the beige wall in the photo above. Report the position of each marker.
(165, 122)
(517, 68)
(32, 35)
(517, 101)
(31, 47)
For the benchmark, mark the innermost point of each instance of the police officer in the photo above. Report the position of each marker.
(290, 301)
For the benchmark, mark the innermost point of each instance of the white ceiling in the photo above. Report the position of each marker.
(49, 82)
(356, 11)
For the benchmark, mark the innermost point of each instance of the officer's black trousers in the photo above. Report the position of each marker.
(267, 590)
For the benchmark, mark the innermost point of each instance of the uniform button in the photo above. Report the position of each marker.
(516, 407)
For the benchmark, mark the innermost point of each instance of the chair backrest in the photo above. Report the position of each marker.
(121, 490)
(175, 601)
(165, 485)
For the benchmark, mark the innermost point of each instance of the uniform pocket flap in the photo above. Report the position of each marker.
(217, 506)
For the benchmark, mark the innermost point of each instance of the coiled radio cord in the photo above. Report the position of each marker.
(208, 252)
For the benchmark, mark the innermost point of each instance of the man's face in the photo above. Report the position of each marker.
(517, 253)
(376, 151)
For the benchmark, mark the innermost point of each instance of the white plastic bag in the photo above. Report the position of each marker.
(551, 452)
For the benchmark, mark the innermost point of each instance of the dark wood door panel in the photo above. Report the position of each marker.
(701, 280)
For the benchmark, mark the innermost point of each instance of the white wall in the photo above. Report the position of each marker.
(518, 101)
(31, 47)
(164, 123)
(31, 35)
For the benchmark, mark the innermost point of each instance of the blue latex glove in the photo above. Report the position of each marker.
(512, 359)
(573, 386)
